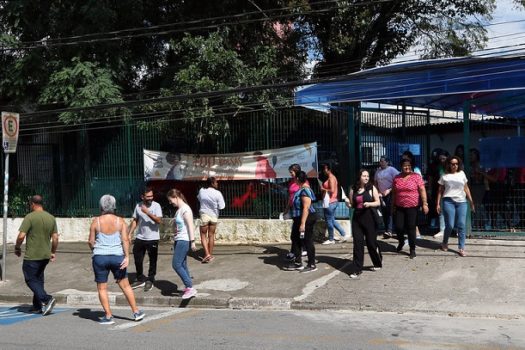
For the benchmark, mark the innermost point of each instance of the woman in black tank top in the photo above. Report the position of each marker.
(363, 197)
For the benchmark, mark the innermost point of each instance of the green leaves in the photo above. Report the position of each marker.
(82, 84)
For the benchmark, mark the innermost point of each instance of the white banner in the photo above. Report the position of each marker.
(265, 164)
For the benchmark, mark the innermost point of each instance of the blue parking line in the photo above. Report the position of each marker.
(15, 314)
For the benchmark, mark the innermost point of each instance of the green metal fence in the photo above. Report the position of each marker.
(73, 168)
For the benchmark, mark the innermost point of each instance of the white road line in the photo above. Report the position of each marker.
(15, 316)
(320, 282)
(148, 319)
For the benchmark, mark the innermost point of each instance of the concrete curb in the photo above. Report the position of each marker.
(248, 303)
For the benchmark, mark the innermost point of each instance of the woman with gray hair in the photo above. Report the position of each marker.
(109, 242)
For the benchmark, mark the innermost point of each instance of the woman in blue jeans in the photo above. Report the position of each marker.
(184, 238)
(454, 191)
(330, 187)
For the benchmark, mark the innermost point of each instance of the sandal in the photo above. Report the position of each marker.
(462, 252)
(206, 259)
(444, 247)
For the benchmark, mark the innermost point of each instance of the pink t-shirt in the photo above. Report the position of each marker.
(292, 188)
(407, 190)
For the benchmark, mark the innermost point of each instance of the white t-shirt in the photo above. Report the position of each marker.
(454, 186)
(385, 177)
(211, 201)
(147, 229)
(181, 230)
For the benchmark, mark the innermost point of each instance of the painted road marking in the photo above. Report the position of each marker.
(148, 319)
(320, 282)
(10, 315)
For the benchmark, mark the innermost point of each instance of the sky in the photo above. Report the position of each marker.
(506, 11)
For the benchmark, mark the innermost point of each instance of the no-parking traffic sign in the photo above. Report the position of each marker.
(10, 131)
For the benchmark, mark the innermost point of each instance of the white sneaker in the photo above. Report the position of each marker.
(343, 239)
(376, 268)
(328, 242)
(439, 234)
(336, 238)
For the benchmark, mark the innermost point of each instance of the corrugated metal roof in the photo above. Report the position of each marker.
(494, 86)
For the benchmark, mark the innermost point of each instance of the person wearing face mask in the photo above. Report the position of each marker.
(147, 217)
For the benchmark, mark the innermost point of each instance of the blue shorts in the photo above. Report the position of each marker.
(102, 264)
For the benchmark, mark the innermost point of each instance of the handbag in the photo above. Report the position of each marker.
(326, 200)
(376, 212)
(378, 217)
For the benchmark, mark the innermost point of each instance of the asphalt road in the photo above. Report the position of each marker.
(175, 328)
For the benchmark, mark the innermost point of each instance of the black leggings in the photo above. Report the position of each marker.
(405, 220)
(364, 231)
(308, 239)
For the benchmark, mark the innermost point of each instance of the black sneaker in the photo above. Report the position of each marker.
(309, 268)
(46, 309)
(138, 284)
(400, 246)
(147, 286)
(412, 253)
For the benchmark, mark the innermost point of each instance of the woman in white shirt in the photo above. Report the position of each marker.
(211, 201)
(454, 190)
(184, 239)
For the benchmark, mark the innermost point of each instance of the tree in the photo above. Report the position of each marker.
(63, 54)
(360, 35)
(100, 60)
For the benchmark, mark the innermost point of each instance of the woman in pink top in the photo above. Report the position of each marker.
(408, 187)
(331, 187)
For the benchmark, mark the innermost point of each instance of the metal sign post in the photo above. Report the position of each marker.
(9, 141)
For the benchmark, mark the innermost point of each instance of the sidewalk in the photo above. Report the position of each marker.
(489, 282)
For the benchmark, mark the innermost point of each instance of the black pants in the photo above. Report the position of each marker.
(308, 239)
(387, 210)
(405, 221)
(34, 277)
(139, 251)
(364, 231)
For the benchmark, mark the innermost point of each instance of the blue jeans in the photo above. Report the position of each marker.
(329, 216)
(455, 214)
(179, 262)
(34, 276)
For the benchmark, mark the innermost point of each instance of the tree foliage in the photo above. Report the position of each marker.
(363, 35)
(61, 54)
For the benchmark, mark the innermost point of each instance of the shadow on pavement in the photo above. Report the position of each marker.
(88, 314)
(167, 288)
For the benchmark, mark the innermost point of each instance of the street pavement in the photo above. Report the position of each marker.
(486, 283)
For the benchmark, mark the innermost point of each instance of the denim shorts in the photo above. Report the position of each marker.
(102, 264)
